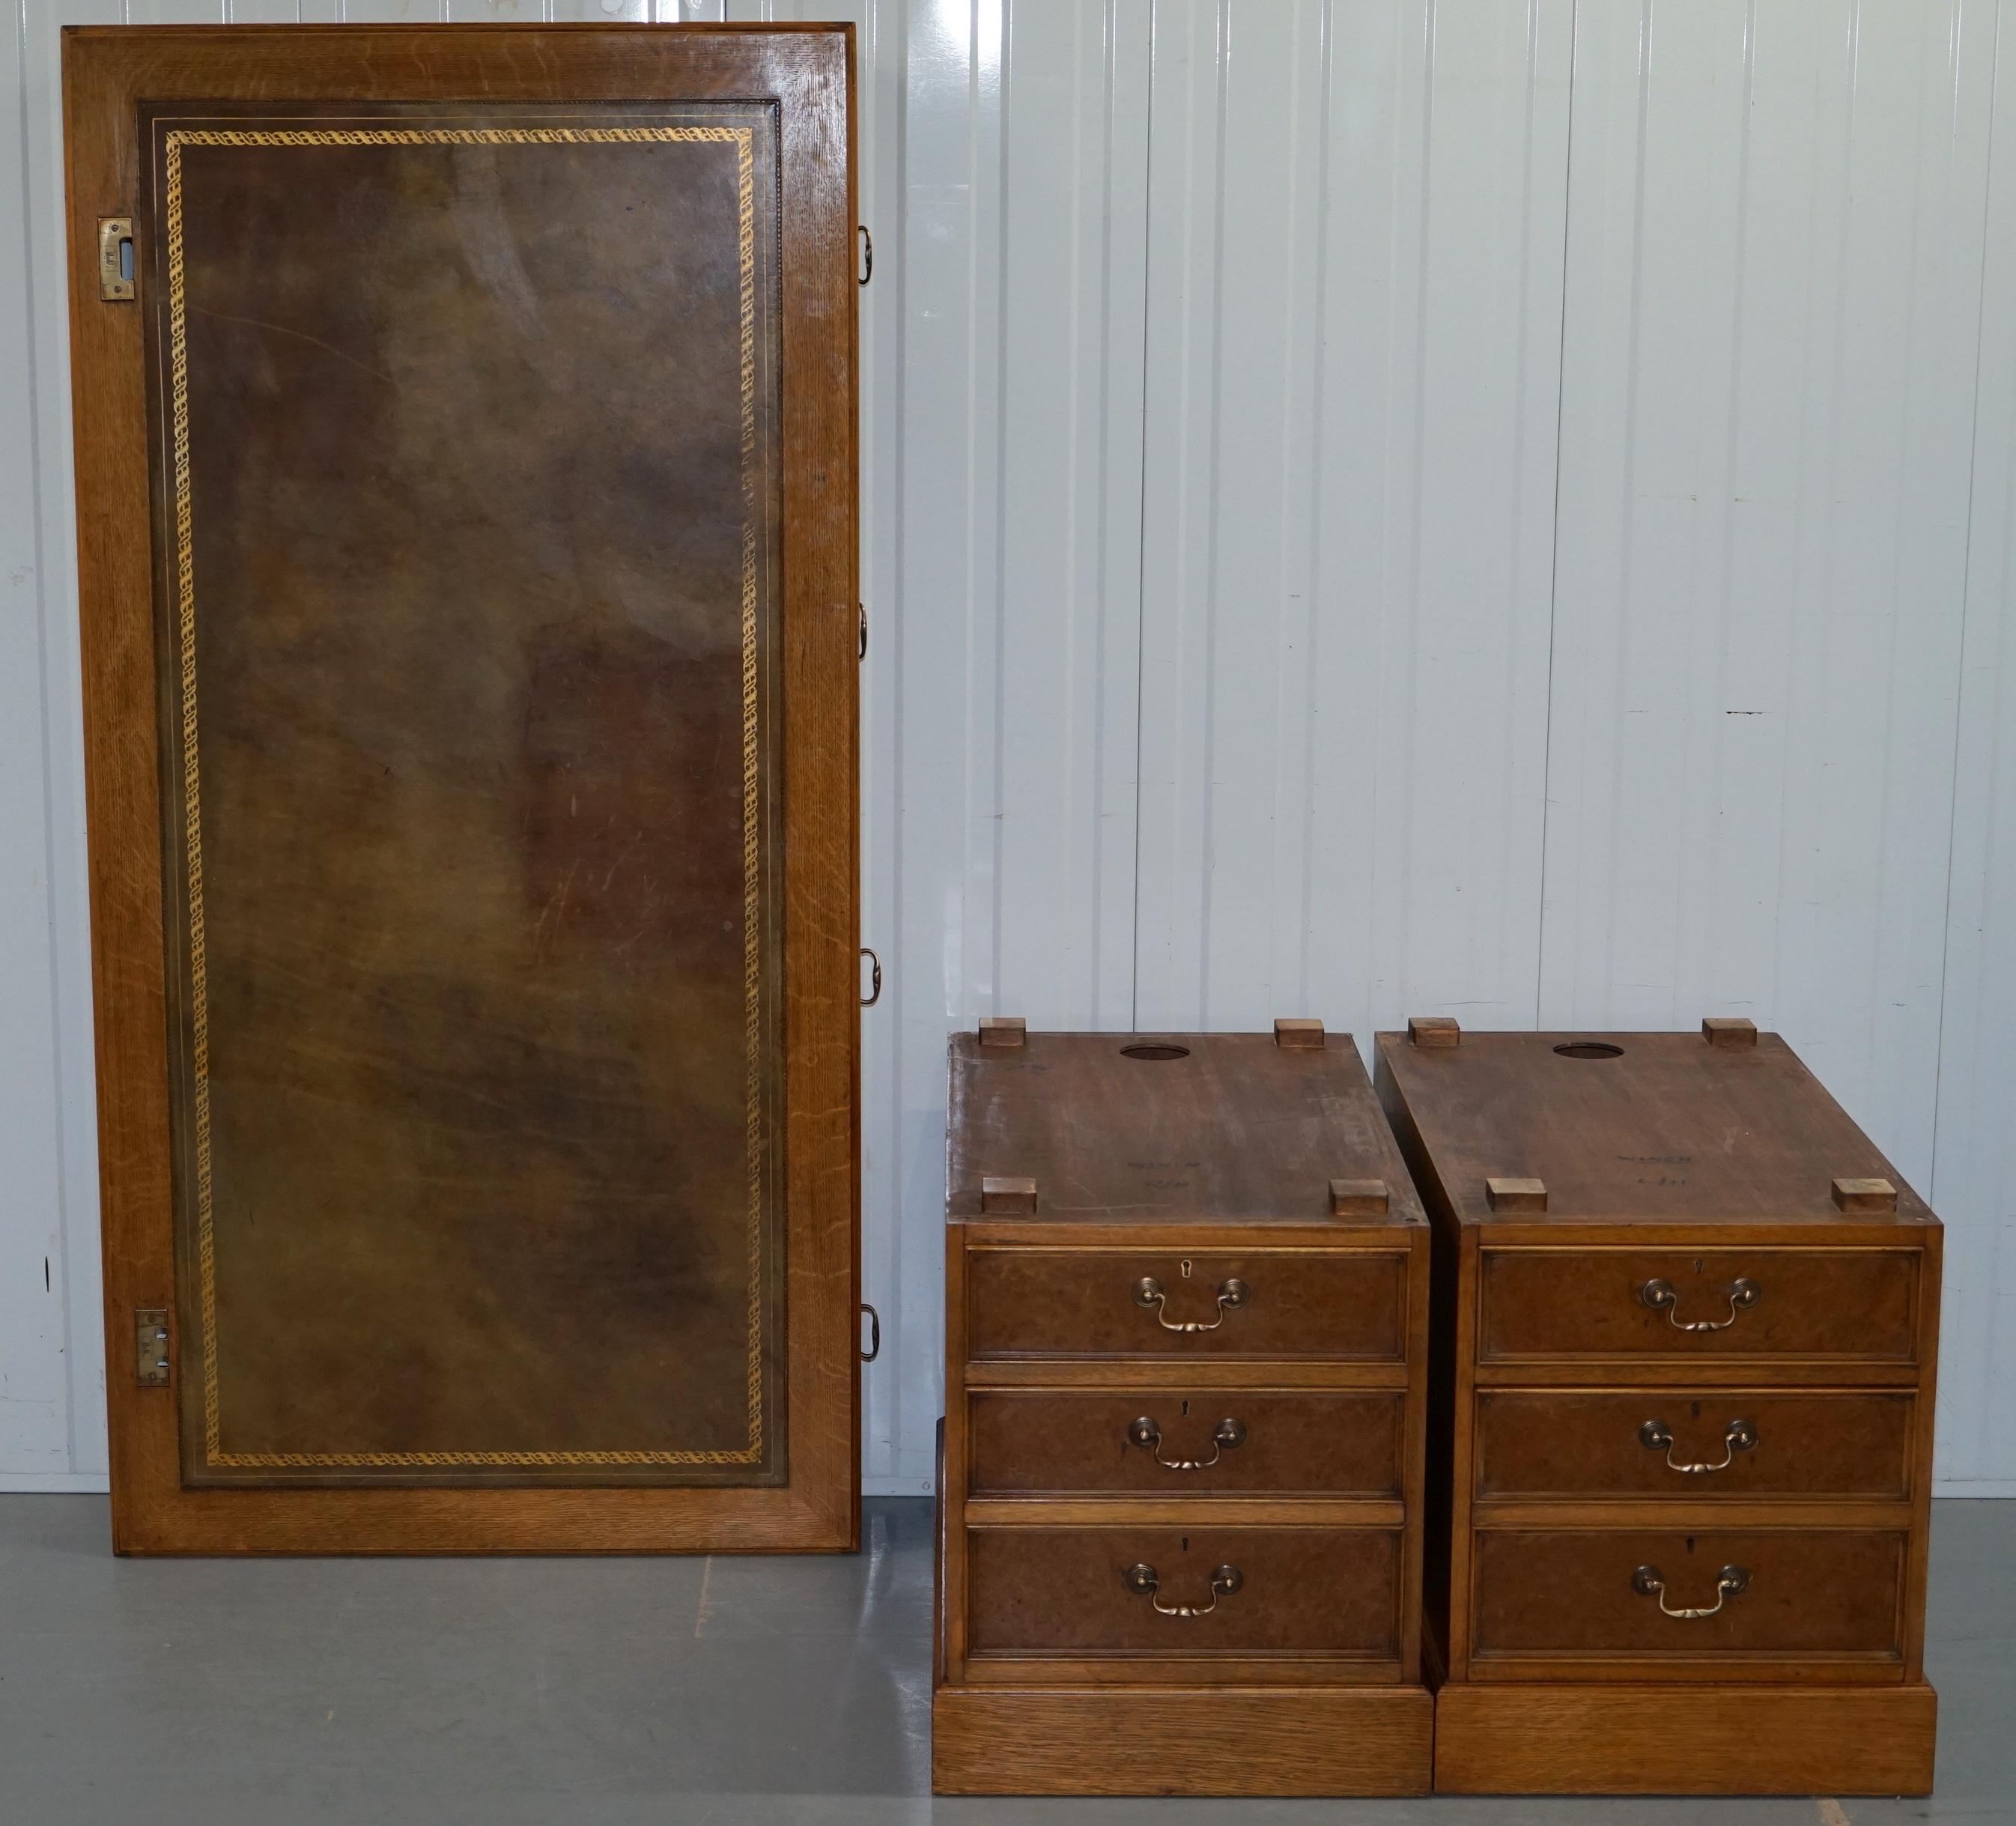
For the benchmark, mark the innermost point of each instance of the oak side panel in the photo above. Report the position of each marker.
(957, 1477)
(1917, 1564)
(1414, 1472)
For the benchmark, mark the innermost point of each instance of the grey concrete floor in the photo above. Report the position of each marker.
(616, 1692)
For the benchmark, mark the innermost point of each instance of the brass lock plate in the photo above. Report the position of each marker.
(150, 1347)
(115, 258)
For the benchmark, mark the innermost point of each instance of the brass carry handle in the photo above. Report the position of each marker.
(1231, 1295)
(875, 978)
(1140, 1579)
(1737, 1436)
(1648, 1581)
(1226, 1436)
(1659, 1295)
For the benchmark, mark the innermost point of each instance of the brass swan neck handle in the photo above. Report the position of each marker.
(1659, 1294)
(1232, 1294)
(1737, 1436)
(1141, 1580)
(1227, 1435)
(1649, 1581)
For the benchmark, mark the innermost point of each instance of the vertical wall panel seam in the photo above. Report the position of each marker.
(898, 381)
(1628, 510)
(1793, 631)
(1994, 779)
(971, 505)
(1284, 649)
(1004, 254)
(1510, 818)
(1319, 382)
(1206, 884)
(1554, 551)
(36, 458)
(1732, 445)
(1141, 564)
(1096, 761)
(1904, 447)
(1418, 468)
(1075, 799)
(1966, 602)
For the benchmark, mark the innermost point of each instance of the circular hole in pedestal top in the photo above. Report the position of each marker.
(1156, 1050)
(1589, 1050)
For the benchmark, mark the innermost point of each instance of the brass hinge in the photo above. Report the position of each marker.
(150, 1347)
(115, 258)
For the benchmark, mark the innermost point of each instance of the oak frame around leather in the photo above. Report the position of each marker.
(808, 73)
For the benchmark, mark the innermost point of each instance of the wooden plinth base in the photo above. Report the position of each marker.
(1729, 1740)
(1181, 1740)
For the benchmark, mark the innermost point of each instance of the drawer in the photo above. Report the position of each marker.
(1147, 1302)
(1738, 1443)
(1849, 1304)
(1175, 1441)
(1804, 1592)
(1095, 1591)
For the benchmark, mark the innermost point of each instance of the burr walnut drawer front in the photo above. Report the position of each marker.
(1850, 1304)
(1176, 1591)
(1147, 1302)
(1178, 1440)
(1711, 1443)
(1665, 1595)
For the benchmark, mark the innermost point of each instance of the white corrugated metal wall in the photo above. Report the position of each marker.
(1499, 506)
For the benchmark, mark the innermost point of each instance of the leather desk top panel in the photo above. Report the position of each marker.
(464, 428)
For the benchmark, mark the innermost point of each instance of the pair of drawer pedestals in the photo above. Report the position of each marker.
(1563, 1426)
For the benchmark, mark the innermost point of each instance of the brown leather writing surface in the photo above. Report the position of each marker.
(468, 612)
(486, 558)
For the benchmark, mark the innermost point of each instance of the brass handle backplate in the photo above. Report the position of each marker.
(1228, 1434)
(1737, 1436)
(1659, 1295)
(1232, 1294)
(1140, 1579)
(1649, 1581)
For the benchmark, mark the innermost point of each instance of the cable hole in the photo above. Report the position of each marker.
(1589, 1050)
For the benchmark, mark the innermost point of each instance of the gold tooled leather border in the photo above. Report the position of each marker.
(741, 138)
